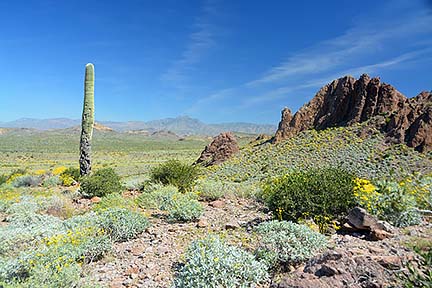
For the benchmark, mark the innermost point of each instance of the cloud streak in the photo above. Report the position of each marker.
(370, 39)
(198, 44)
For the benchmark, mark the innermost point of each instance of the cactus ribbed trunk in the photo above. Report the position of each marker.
(87, 121)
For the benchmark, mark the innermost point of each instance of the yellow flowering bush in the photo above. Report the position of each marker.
(58, 170)
(13, 176)
(40, 172)
(366, 194)
(67, 180)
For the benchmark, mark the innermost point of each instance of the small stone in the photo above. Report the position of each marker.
(162, 250)
(232, 225)
(202, 223)
(138, 250)
(132, 270)
(389, 262)
(217, 204)
(95, 199)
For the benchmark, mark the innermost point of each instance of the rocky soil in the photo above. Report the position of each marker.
(353, 260)
(150, 260)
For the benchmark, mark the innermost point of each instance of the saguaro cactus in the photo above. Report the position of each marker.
(87, 121)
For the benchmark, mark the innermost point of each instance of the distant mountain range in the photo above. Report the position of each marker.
(182, 125)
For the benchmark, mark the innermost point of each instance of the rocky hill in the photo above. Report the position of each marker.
(347, 101)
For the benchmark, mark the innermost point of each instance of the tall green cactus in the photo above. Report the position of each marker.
(87, 121)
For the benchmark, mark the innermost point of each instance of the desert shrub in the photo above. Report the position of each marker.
(59, 207)
(70, 176)
(102, 182)
(324, 193)
(396, 205)
(283, 242)
(174, 172)
(396, 202)
(15, 174)
(55, 256)
(122, 224)
(3, 178)
(156, 196)
(114, 201)
(184, 207)
(336, 147)
(73, 172)
(58, 170)
(210, 190)
(212, 263)
(51, 181)
(181, 207)
(27, 181)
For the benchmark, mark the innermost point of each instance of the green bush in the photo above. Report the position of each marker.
(184, 208)
(326, 193)
(283, 242)
(72, 172)
(212, 263)
(174, 172)
(122, 224)
(102, 182)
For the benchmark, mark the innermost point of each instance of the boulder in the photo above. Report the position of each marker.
(223, 147)
(360, 219)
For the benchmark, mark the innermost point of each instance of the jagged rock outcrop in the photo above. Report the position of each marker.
(347, 101)
(219, 150)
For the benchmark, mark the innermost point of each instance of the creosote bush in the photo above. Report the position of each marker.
(324, 193)
(103, 182)
(283, 242)
(212, 263)
(174, 172)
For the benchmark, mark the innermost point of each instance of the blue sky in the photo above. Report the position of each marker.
(216, 60)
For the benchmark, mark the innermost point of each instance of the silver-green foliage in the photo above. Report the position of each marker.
(287, 242)
(212, 263)
(396, 204)
(210, 189)
(27, 181)
(122, 224)
(25, 226)
(184, 207)
(181, 207)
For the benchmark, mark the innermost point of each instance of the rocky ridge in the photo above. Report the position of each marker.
(347, 101)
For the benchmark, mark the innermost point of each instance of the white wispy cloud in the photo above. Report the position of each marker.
(198, 44)
(333, 58)
(281, 92)
(363, 39)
